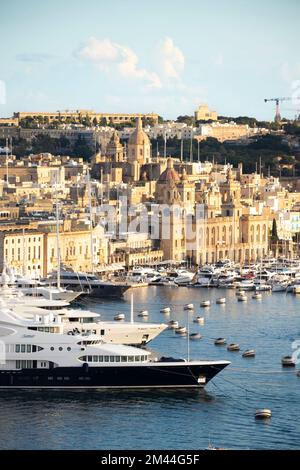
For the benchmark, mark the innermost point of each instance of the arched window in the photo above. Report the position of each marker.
(252, 233)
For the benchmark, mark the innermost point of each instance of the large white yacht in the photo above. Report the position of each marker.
(84, 321)
(32, 356)
(36, 288)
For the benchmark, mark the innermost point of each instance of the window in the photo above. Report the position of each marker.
(106, 358)
(123, 358)
(112, 358)
(68, 348)
(17, 348)
(90, 358)
(130, 358)
(117, 358)
(60, 348)
(23, 348)
(95, 358)
(52, 348)
(102, 332)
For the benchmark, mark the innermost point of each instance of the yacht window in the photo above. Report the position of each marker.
(50, 378)
(23, 346)
(17, 349)
(90, 358)
(130, 358)
(68, 348)
(33, 348)
(112, 358)
(117, 358)
(28, 348)
(106, 358)
(39, 348)
(100, 358)
(60, 348)
(123, 358)
(52, 348)
(95, 358)
(137, 358)
(102, 332)
(18, 364)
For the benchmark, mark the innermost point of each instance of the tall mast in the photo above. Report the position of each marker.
(91, 219)
(57, 229)
(6, 149)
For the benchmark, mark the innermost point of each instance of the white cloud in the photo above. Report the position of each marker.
(171, 59)
(111, 56)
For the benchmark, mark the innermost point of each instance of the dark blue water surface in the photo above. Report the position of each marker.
(223, 414)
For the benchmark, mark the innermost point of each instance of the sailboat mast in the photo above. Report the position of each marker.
(91, 219)
(57, 230)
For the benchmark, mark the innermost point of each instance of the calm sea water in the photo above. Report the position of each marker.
(223, 414)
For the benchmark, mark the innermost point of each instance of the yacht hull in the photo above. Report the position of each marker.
(106, 291)
(155, 375)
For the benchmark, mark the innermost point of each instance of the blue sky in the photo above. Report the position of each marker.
(165, 56)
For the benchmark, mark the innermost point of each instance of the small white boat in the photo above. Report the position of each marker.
(221, 300)
(205, 303)
(240, 292)
(173, 324)
(195, 336)
(263, 413)
(249, 353)
(165, 310)
(143, 313)
(199, 320)
(119, 316)
(233, 347)
(257, 296)
(181, 330)
(189, 307)
(288, 361)
(220, 341)
(242, 298)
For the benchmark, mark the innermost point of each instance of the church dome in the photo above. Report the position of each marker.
(170, 174)
(138, 136)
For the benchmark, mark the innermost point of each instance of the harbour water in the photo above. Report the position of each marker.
(222, 414)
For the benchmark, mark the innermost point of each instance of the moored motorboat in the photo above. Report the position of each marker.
(181, 330)
(220, 341)
(288, 361)
(233, 347)
(143, 313)
(195, 336)
(205, 303)
(165, 310)
(263, 413)
(242, 298)
(221, 300)
(119, 316)
(173, 324)
(249, 353)
(257, 296)
(199, 320)
(189, 307)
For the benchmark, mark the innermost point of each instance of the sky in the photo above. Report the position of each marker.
(164, 56)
